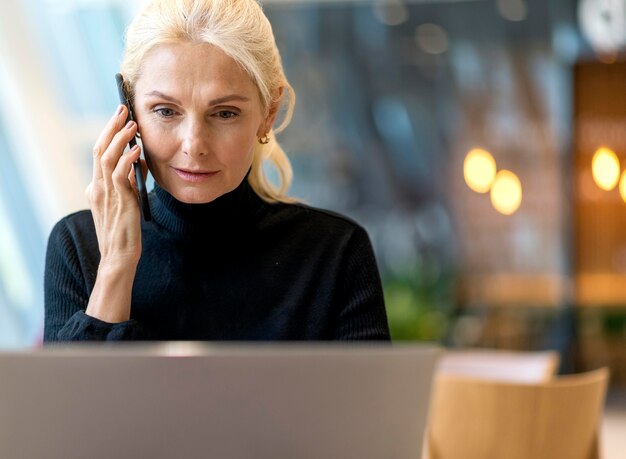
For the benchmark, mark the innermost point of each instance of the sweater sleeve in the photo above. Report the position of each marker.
(363, 315)
(66, 294)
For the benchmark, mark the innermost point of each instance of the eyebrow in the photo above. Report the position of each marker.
(164, 96)
(220, 100)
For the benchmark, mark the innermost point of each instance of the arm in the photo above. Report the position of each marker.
(112, 197)
(116, 219)
(66, 293)
(362, 315)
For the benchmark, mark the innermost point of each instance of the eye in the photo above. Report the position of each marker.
(226, 114)
(164, 112)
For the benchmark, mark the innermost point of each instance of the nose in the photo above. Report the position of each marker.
(195, 142)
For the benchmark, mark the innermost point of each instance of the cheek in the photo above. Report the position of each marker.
(233, 143)
(160, 143)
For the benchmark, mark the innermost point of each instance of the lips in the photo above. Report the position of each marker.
(194, 176)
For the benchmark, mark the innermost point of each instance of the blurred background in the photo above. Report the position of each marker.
(480, 142)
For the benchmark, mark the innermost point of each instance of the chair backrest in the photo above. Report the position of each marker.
(514, 366)
(473, 418)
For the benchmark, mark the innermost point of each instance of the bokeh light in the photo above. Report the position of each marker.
(622, 186)
(513, 10)
(479, 170)
(506, 192)
(431, 38)
(391, 12)
(605, 168)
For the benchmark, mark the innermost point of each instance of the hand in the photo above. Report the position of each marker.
(112, 195)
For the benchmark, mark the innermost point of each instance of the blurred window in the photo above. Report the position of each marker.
(79, 44)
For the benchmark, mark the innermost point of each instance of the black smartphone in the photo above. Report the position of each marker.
(141, 183)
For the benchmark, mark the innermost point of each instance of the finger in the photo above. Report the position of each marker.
(113, 126)
(121, 176)
(144, 172)
(113, 153)
(132, 179)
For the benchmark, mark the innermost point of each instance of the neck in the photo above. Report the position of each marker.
(229, 211)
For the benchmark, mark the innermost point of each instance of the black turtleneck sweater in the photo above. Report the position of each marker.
(237, 268)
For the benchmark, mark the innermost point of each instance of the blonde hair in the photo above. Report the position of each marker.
(241, 30)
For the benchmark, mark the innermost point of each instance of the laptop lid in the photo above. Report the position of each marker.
(200, 400)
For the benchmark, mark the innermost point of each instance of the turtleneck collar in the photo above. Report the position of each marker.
(222, 214)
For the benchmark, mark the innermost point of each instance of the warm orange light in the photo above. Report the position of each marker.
(605, 168)
(622, 186)
(479, 170)
(506, 192)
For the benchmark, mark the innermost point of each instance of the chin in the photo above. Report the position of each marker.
(193, 195)
(197, 193)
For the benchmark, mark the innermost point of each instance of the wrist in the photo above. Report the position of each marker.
(118, 267)
(110, 300)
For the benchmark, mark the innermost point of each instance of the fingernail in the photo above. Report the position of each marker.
(129, 125)
(119, 110)
(134, 149)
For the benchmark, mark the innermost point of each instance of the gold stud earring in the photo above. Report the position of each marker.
(264, 140)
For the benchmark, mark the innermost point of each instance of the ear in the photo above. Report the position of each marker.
(272, 112)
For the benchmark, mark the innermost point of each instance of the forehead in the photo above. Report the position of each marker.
(192, 67)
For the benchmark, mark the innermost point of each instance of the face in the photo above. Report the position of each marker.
(199, 115)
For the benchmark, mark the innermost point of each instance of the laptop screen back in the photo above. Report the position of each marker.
(196, 400)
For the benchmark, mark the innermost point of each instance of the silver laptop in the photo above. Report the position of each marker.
(198, 400)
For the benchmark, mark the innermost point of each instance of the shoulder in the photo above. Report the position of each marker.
(74, 229)
(77, 222)
(314, 229)
(307, 217)
(73, 249)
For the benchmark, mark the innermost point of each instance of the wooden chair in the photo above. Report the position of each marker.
(497, 365)
(473, 418)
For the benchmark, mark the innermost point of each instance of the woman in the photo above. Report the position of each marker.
(227, 256)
